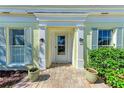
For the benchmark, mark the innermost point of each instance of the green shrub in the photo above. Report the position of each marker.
(109, 62)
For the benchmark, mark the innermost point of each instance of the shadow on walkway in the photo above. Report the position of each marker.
(99, 80)
(43, 77)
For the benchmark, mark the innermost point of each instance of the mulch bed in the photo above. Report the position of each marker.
(9, 78)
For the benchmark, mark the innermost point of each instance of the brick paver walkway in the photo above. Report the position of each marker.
(59, 76)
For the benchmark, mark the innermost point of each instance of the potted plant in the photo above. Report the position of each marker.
(33, 73)
(91, 75)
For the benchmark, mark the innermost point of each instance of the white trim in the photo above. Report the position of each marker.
(61, 20)
(114, 39)
(48, 8)
(97, 46)
(65, 30)
(60, 14)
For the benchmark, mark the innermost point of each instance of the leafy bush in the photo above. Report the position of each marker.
(109, 62)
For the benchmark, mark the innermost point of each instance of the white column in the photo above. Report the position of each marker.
(114, 38)
(80, 44)
(42, 44)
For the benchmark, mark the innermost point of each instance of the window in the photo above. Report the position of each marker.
(104, 38)
(17, 37)
(17, 45)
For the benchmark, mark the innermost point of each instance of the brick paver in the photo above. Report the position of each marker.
(59, 76)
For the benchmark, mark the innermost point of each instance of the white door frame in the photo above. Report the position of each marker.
(61, 58)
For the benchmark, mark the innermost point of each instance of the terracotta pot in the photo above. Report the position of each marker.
(33, 76)
(91, 75)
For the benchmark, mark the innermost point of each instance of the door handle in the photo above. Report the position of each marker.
(55, 46)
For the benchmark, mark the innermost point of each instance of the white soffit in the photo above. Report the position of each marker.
(61, 17)
(61, 14)
(62, 8)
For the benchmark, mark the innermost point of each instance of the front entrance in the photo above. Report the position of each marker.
(60, 44)
(61, 48)
(67, 48)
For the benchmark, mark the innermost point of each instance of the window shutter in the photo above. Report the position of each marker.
(2, 47)
(94, 38)
(119, 43)
(28, 46)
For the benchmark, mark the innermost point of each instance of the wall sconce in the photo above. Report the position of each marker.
(81, 41)
(42, 40)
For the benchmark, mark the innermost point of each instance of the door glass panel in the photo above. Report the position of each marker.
(61, 45)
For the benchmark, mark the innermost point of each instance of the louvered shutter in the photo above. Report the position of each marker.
(119, 43)
(94, 38)
(28, 46)
(2, 47)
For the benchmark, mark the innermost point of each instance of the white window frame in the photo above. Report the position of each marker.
(10, 45)
(111, 45)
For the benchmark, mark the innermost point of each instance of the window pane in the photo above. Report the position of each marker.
(100, 33)
(109, 33)
(104, 41)
(61, 45)
(109, 41)
(17, 37)
(100, 38)
(105, 34)
(105, 37)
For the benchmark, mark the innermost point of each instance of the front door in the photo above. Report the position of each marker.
(61, 48)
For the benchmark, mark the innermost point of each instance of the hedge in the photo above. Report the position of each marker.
(109, 62)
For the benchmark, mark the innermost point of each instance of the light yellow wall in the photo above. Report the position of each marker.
(48, 52)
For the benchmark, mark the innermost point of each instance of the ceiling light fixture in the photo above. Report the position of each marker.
(104, 13)
(6, 12)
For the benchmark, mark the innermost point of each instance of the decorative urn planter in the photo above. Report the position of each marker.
(33, 74)
(91, 75)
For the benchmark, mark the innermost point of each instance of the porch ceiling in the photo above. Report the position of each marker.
(61, 19)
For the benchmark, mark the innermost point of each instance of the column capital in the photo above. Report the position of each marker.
(80, 27)
(119, 28)
(42, 25)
